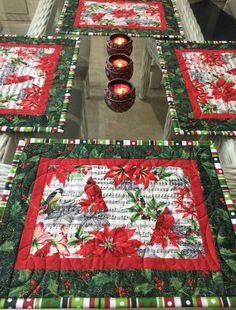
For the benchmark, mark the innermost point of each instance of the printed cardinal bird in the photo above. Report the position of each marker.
(92, 189)
(165, 220)
(94, 202)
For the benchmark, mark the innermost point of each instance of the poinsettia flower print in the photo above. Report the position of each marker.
(221, 89)
(14, 78)
(232, 71)
(41, 238)
(31, 101)
(95, 204)
(45, 62)
(163, 237)
(60, 172)
(143, 175)
(96, 17)
(109, 243)
(124, 13)
(26, 53)
(212, 59)
(185, 203)
(198, 86)
(120, 173)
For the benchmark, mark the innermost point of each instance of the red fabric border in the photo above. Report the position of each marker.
(161, 11)
(48, 81)
(189, 86)
(26, 261)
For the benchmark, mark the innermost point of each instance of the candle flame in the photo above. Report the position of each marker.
(120, 63)
(120, 40)
(121, 89)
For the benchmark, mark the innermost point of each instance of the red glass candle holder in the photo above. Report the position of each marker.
(119, 95)
(119, 66)
(119, 44)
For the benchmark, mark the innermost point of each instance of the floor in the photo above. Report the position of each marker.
(145, 119)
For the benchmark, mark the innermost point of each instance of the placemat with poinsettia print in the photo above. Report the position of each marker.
(158, 18)
(112, 224)
(35, 82)
(200, 82)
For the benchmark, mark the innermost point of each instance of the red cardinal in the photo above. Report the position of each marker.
(165, 220)
(92, 189)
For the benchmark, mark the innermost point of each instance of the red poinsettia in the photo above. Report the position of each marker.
(94, 204)
(60, 172)
(133, 24)
(187, 209)
(203, 97)
(31, 101)
(97, 16)
(211, 58)
(162, 236)
(109, 243)
(185, 203)
(124, 13)
(143, 175)
(25, 52)
(221, 89)
(45, 62)
(152, 10)
(198, 86)
(14, 78)
(232, 71)
(120, 173)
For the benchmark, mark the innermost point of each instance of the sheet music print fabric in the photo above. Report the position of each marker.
(115, 213)
(210, 78)
(26, 74)
(120, 14)
(102, 224)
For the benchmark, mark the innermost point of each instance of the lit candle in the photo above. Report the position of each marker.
(119, 40)
(120, 62)
(121, 89)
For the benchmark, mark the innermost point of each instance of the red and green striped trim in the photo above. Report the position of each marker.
(109, 302)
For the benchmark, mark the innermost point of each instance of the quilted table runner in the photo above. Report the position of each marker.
(116, 224)
(158, 18)
(35, 82)
(200, 80)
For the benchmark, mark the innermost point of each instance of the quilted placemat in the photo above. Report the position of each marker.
(200, 80)
(137, 18)
(113, 224)
(35, 82)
